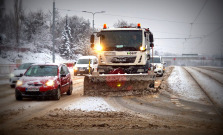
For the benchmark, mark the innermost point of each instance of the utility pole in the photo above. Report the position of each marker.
(53, 31)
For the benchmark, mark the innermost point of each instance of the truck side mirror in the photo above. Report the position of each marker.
(151, 37)
(92, 39)
(151, 45)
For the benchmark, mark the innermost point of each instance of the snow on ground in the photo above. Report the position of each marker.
(213, 74)
(213, 88)
(183, 85)
(5, 61)
(6, 81)
(44, 56)
(91, 104)
(221, 68)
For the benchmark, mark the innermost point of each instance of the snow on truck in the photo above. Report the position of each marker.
(123, 62)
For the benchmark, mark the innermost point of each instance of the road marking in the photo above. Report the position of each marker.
(176, 101)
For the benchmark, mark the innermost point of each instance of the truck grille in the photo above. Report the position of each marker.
(123, 59)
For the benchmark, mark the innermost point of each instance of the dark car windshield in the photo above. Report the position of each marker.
(155, 60)
(125, 40)
(42, 70)
(84, 61)
(24, 66)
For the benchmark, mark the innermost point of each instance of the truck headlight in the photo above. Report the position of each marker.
(142, 48)
(98, 47)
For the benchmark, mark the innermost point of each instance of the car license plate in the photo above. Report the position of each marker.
(32, 89)
(82, 69)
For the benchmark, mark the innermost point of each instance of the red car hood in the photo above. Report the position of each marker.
(37, 80)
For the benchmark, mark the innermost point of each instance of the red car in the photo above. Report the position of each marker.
(44, 80)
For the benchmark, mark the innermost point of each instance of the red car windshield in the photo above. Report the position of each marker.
(42, 70)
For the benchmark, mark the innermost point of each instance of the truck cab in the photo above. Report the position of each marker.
(126, 49)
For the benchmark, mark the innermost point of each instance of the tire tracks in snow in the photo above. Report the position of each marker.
(213, 69)
(216, 106)
(220, 82)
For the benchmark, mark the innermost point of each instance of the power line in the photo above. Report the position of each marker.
(200, 11)
(192, 24)
(160, 20)
(151, 19)
(68, 10)
(216, 30)
(181, 38)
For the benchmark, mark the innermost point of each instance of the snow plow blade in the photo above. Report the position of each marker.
(119, 85)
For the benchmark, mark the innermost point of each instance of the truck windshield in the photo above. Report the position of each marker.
(125, 40)
(155, 60)
(84, 61)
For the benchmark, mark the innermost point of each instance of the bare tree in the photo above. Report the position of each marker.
(2, 12)
(122, 23)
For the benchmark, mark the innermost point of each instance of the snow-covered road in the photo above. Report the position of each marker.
(184, 86)
(198, 85)
(184, 101)
(212, 88)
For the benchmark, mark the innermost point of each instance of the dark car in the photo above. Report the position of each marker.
(44, 80)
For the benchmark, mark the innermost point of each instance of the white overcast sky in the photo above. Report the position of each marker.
(165, 18)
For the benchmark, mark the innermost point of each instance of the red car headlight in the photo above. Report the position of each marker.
(50, 83)
(19, 83)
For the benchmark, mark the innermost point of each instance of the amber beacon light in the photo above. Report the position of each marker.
(105, 26)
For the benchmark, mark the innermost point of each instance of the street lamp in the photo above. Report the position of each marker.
(93, 13)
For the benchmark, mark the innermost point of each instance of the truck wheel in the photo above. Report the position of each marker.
(18, 95)
(58, 94)
(69, 92)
